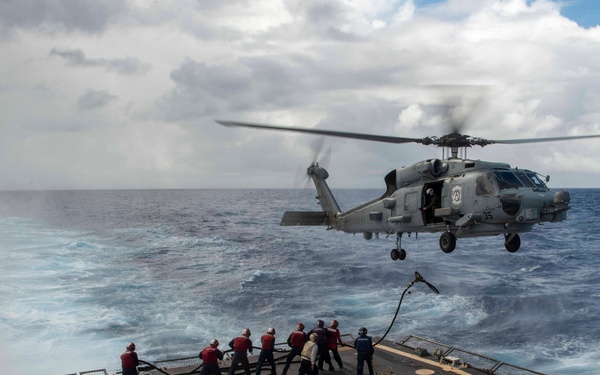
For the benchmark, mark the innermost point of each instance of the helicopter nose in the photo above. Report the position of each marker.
(561, 205)
(562, 198)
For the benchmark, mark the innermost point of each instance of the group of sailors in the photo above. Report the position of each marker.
(312, 347)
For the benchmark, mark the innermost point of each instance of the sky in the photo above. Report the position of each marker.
(123, 94)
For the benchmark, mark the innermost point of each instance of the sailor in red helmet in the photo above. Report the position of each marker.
(210, 357)
(333, 339)
(296, 341)
(129, 360)
(266, 353)
(241, 345)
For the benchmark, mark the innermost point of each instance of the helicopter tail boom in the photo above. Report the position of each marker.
(331, 209)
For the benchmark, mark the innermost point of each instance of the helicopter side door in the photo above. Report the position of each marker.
(412, 203)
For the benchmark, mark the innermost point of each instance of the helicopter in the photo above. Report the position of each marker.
(456, 196)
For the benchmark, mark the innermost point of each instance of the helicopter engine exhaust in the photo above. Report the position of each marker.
(424, 170)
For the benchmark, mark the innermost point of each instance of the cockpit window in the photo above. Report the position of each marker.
(484, 184)
(536, 180)
(507, 180)
(524, 179)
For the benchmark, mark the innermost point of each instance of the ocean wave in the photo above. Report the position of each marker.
(172, 276)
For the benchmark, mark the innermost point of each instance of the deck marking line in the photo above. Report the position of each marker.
(428, 361)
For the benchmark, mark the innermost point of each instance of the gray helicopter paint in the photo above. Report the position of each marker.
(464, 211)
(477, 198)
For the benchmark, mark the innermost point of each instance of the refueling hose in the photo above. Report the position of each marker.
(418, 278)
(198, 368)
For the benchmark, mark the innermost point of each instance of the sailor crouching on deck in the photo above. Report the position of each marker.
(210, 357)
(241, 345)
(308, 365)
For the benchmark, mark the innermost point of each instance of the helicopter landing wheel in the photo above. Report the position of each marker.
(512, 242)
(447, 242)
(398, 254)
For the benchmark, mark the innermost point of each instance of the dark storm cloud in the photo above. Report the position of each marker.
(266, 83)
(76, 57)
(94, 99)
(90, 16)
(251, 83)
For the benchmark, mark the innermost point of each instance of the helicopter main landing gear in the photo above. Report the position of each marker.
(447, 242)
(512, 242)
(398, 253)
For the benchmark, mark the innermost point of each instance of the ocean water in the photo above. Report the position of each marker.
(82, 273)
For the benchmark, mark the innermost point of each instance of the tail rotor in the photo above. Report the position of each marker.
(320, 157)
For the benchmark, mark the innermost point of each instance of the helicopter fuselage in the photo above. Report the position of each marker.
(455, 196)
(472, 198)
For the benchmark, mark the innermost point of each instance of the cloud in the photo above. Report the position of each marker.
(88, 16)
(76, 57)
(202, 89)
(94, 99)
(382, 67)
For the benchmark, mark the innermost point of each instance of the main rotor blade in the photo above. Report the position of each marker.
(534, 140)
(444, 141)
(332, 133)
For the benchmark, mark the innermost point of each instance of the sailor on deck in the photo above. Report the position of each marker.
(129, 360)
(364, 351)
(266, 353)
(333, 339)
(308, 364)
(210, 357)
(322, 344)
(296, 341)
(241, 345)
